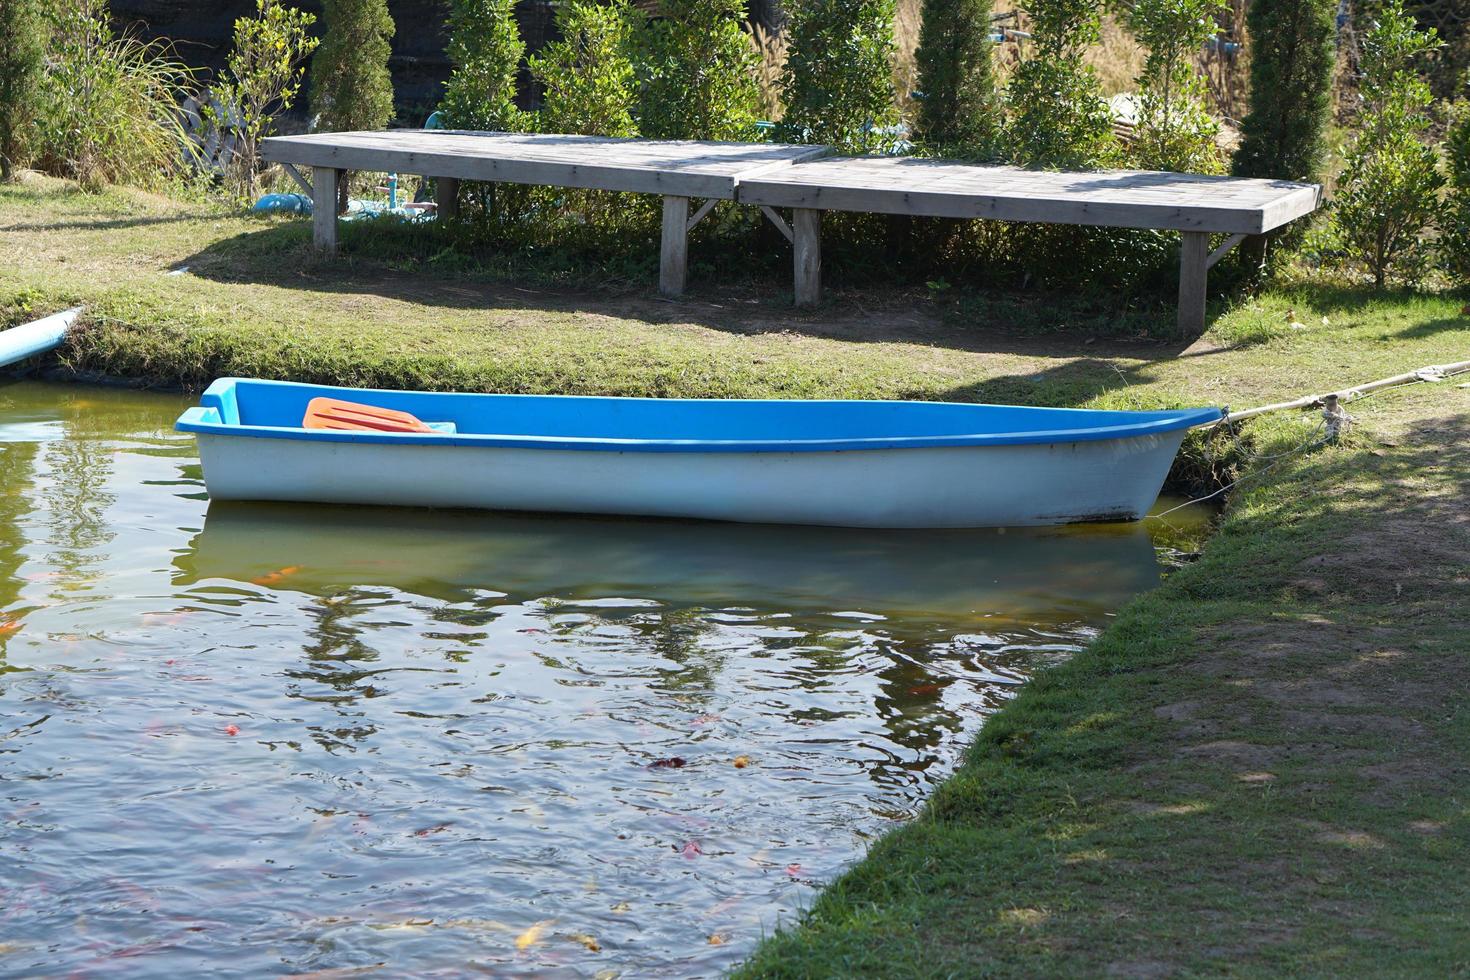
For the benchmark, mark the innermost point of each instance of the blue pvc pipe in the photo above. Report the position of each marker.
(36, 337)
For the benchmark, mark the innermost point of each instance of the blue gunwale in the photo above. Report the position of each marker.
(269, 410)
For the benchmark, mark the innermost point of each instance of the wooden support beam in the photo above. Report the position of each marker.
(1194, 257)
(806, 226)
(779, 222)
(673, 261)
(301, 181)
(698, 216)
(446, 198)
(1224, 248)
(324, 208)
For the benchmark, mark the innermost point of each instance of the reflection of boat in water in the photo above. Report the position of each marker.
(1030, 574)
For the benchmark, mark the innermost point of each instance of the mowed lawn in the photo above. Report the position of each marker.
(1257, 770)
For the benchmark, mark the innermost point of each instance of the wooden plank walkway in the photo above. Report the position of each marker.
(679, 170)
(806, 180)
(1192, 204)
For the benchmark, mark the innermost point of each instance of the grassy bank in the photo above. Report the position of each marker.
(1258, 769)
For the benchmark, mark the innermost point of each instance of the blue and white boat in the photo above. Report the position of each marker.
(843, 463)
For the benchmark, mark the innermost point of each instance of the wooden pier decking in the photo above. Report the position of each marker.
(808, 181)
(679, 170)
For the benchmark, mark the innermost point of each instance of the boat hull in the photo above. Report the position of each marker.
(946, 486)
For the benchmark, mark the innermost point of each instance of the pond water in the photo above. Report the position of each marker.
(272, 738)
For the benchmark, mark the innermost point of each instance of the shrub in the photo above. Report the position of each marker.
(261, 78)
(108, 106)
(1454, 243)
(22, 54)
(1389, 190)
(1175, 128)
(1058, 116)
(350, 85)
(1283, 135)
(486, 49)
(588, 74)
(696, 70)
(838, 81)
(959, 114)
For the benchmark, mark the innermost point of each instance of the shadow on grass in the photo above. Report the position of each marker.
(421, 265)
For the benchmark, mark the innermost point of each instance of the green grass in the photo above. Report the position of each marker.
(1257, 770)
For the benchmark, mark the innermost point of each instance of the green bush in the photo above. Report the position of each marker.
(1175, 128)
(837, 84)
(486, 49)
(108, 105)
(350, 85)
(1389, 191)
(1454, 243)
(1283, 135)
(1058, 116)
(262, 78)
(696, 71)
(959, 111)
(588, 74)
(22, 54)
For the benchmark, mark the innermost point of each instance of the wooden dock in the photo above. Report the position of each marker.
(807, 181)
(679, 170)
(1195, 205)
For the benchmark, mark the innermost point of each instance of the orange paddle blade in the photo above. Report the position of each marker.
(332, 413)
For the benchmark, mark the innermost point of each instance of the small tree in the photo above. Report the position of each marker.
(588, 75)
(838, 81)
(1058, 115)
(1391, 181)
(696, 70)
(350, 85)
(1175, 129)
(22, 53)
(1283, 136)
(1454, 243)
(1389, 187)
(262, 78)
(958, 108)
(486, 49)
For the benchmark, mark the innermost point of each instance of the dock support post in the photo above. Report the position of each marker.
(673, 261)
(324, 208)
(446, 197)
(1194, 264)
(806, 230)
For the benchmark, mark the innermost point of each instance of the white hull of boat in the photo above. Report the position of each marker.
(946, 486)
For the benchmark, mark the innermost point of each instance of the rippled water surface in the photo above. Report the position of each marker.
(257, 739)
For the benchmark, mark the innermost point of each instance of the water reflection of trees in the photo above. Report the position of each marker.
(17, 462)
(77, 499)
(334, 660)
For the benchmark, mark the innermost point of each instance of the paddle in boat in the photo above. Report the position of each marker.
(843, 463)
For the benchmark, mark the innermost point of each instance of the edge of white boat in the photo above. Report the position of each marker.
(36, 337)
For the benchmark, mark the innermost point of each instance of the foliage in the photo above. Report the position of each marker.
(108, 107)
(22, 55)
(696, 70)
(837, 84)
(1389, 190)
(1058, 116)
(588, 74)
(350, 85)
(486, 49)
(1175, 128)
(959, 112)
(1454, 243)
(1283, 136)
(262, 78)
